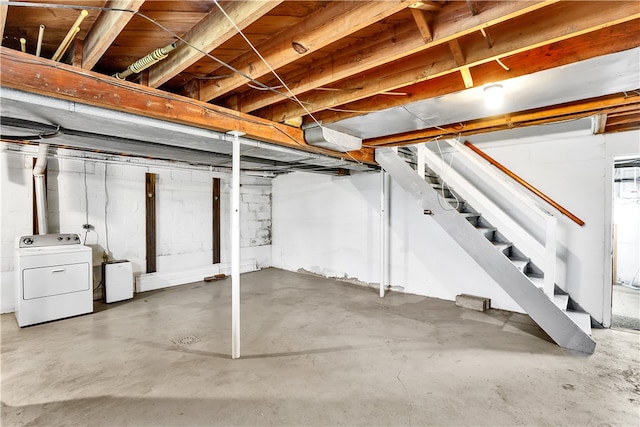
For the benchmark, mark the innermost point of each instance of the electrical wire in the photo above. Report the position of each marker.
(445, 170)
(86, 199)
(106, 223)
(421, 119)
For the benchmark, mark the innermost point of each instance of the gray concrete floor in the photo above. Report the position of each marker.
(625, 308)
(315, 352)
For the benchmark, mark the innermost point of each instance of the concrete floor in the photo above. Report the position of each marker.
(625, 308)
(315, 352)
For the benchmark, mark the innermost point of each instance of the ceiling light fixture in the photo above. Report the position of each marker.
(493, 96)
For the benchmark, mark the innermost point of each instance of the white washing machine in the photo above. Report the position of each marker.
(55, 278)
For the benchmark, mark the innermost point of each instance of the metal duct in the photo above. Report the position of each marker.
(41, 190)
(320, 136)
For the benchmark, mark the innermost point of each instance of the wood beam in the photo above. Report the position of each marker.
(418, 68)
(216, 222)
(44, 77)
(600, 123)
(466, 77)
(575, 110)
(428, 6)
(456, 51)
(4, 8)
(608, 40)
(106, 28)
(454, 21)
(211, 32)
(422, 19)
(337, 20)
(150, 221)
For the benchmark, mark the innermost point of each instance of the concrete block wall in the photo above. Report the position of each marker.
(331, 226)
(113, 202)
(627, 220)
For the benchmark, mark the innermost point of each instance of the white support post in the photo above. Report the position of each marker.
(420, 159)
(384, 232)
(235, 247)
(550, 255)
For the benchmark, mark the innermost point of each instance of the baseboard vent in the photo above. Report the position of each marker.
(473, 302)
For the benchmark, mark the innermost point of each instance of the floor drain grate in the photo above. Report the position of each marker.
(190, 339)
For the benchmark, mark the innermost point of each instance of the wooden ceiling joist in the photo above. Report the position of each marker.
(106, 29)
(44, 77)
(418, 68)
(609, 105)
(406, 41)
(212, 31)
(337, 20)
(422, 19)
(3, 18)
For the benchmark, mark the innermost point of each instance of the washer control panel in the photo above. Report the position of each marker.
(40, 240)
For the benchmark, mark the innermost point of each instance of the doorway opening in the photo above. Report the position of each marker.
(625, 307)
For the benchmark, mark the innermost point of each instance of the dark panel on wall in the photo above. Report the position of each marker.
(150, 209)
(216, 220)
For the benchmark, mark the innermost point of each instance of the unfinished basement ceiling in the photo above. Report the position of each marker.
(96, 129)
(353, 65)
(592, 78)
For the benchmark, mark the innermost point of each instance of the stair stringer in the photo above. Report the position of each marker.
(554, 321)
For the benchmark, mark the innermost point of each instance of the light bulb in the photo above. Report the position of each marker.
(493, 96)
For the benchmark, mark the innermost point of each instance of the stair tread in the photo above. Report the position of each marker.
(561, 300)
(538, 281)
(501, 245)
(520, 263)
(582, 319)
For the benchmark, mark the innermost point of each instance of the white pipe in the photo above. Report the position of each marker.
(41, 191)
(384, 232)
(420, 159)
(40, 38)
(23, 45)
(66, 42)
(550, 255)
(235, 249)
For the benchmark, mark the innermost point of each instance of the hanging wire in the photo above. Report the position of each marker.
(445, 170)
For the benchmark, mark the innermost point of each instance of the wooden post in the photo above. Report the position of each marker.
(150, 209)
(216, 221)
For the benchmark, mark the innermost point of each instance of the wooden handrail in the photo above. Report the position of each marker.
(524, 183)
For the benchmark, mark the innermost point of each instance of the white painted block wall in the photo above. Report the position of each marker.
(627, 219)
(330, 226)
(183, 211)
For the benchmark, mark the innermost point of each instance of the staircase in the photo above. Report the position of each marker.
(558, 316)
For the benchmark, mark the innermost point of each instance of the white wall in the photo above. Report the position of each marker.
(114, 203)
(330, 225)
(627, 219)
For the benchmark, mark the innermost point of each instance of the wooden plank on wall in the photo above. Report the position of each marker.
(150, 210)
(216, 220)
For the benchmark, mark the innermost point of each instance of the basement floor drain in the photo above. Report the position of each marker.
(190, 339)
